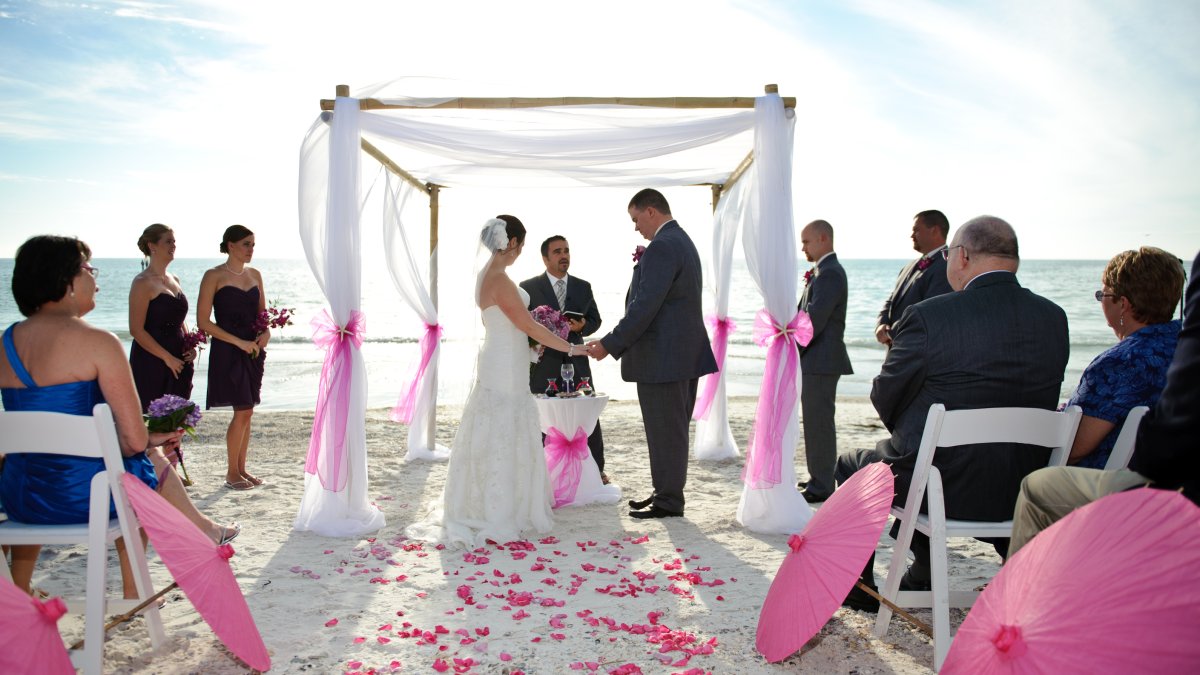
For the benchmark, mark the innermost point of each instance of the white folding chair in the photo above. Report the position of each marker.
(1054, 430)
(1123, 449)
(95, 436)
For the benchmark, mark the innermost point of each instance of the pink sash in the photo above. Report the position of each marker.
(326, 449)
(403, 411)
(777, 398)
(570, 455)
(722, 327)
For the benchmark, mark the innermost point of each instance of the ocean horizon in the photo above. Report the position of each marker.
(390, 349)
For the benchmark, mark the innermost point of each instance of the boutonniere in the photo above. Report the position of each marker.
(924, 263)
(808, 276)
(637, 254)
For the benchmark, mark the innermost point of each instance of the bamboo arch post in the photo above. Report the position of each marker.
(434, 195)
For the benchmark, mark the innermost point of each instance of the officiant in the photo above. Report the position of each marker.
(573, 297)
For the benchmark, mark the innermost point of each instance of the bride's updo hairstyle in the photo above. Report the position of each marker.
(151, 235)
(234, 234)
(499, 230)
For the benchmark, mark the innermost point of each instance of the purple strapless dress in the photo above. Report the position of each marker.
(234, 379)
(164, 322)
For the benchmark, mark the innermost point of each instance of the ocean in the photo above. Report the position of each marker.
(294, 364)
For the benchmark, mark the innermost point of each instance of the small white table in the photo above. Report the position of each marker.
(569, 415)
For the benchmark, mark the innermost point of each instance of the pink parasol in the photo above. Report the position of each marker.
(201, 568)
(1113, 587)
(825, 561)
(29, 639)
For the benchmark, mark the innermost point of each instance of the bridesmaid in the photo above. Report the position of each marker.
(237, 351)
(157, 311)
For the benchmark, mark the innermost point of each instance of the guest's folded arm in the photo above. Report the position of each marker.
(1091, 431)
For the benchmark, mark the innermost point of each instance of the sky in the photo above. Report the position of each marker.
(1077, 121)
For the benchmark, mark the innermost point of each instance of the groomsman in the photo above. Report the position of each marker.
(566, 294)
(824, 360)
(922, 278)
(663, 347)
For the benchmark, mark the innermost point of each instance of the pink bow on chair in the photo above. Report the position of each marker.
(403, 412)
(778, 395)
(722, 328)
(570, 455)
(326, 449)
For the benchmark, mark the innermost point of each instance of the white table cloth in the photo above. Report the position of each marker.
(569, 415)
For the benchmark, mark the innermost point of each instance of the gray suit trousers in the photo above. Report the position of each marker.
(666, 415)
(820, 433)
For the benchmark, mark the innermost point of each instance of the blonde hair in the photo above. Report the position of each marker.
(151, 235)
(1150, 278)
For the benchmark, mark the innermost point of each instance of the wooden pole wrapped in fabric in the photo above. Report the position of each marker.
(434, 194)
(472, 103)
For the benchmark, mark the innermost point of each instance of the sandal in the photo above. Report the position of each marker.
(230, 533)
(240, 485)
(255, 480)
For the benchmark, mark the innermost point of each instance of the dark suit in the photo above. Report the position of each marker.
(993, 344)
(914, 285)
(822, 364)
(1168, 442)
(579, 299)
(663, 347)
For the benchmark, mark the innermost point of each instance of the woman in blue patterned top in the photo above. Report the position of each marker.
(1140, 291)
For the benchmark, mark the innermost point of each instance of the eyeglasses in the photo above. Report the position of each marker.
(946, 251)
(1101, 295)
(94, 271)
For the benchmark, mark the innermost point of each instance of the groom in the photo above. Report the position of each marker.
(663, 347)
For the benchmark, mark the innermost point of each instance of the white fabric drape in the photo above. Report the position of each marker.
(329, 178)
(770, 245)
(714, 438)
(411, 282)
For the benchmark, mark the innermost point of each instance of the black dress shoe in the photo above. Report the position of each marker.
(813, 498)
(801, 485)
(908, 583)
(641, 503)
(861, 600)
(655, 512)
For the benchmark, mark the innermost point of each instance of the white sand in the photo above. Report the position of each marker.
(580, 600)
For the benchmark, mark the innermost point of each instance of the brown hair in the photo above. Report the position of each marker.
(649, 197)
(513, 228)
(233, 233)
(1150, 278)
(151, 235)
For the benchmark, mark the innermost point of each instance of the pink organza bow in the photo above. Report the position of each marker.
(326, 449)
(403, 412)
(570, 455)
(51, 610)
(722, 328)
(778, 396)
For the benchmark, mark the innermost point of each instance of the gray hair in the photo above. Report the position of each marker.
(990, 236)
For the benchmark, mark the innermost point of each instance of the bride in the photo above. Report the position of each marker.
(496, 485)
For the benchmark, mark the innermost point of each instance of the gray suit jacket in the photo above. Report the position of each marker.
(579, 299)
(824, 298)
(913, 286)
(662, 337)
(993, 344)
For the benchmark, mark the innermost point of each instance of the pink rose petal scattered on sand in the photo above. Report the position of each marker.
(505, 656)
(440, 665)
(331, 623)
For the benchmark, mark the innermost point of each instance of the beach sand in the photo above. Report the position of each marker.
(602, 591)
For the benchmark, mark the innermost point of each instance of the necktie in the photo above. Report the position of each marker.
(560, 291)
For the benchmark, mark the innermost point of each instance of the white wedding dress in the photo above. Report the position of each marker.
(497, 487)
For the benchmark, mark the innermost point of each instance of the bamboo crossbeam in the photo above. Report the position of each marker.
(392, 166)
(737, 173)
(474, 103)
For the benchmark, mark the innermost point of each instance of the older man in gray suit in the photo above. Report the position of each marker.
(824, 360)
(663, 347)
(990, 344)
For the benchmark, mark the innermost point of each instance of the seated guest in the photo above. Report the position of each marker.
(1166, 455)
(989, 344)
(54, 361)
(1139, 294)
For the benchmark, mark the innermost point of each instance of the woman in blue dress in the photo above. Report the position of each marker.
(1140, 292)
(55, 361)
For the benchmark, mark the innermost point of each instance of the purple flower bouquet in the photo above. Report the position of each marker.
(171, 412)
(193, 340)
(273, 317)
(553, 321)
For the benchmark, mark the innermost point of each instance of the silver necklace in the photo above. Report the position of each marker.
(236, 274)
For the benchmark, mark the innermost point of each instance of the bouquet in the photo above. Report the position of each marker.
(554, 322)
(193, 340)
(171, 412)
(273, 317)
